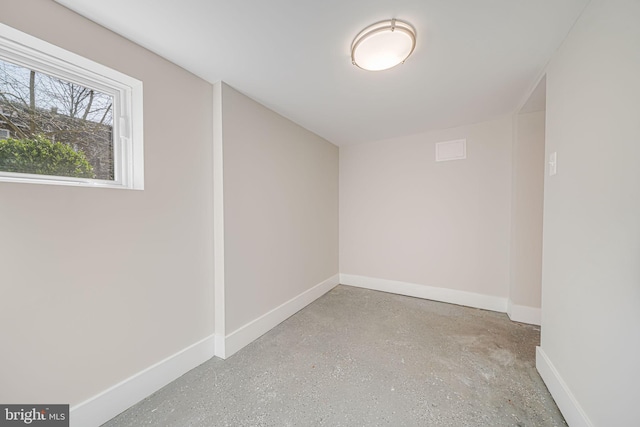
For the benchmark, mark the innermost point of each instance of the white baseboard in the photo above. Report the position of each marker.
(258, 327)
(469, 299)
(567, 403)
(524, 314)
(220, 346)
(118, 398)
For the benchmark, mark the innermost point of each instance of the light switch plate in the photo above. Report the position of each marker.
(553, 163)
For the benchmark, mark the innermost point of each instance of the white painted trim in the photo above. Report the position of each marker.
(218, 222)
(220, 346)
(453, 296)
(118, 398)
(128, 138)
(566, 401)
(524, 314)
(258, 327)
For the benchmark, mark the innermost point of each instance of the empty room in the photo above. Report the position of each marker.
(357, 213)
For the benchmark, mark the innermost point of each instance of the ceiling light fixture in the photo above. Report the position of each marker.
(383, 45)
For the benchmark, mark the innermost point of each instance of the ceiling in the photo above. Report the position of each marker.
(474, 59)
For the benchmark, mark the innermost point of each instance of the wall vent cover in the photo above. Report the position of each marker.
(451, 150)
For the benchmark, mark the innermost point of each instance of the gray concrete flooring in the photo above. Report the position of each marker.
(363, 358)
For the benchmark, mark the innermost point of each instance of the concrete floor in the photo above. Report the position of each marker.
(363, 358)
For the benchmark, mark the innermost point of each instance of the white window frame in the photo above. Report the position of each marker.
(35, 54)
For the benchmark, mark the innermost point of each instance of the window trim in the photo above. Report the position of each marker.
(30, 52)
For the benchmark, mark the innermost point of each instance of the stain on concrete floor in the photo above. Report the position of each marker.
(357, 357)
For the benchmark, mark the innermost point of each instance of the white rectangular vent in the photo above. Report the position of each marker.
(451, 150)
(4, 134)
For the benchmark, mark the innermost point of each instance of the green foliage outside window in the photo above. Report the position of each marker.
(40, 156)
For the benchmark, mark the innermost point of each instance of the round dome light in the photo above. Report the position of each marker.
(383, 45)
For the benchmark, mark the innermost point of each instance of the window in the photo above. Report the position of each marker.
(66, 120)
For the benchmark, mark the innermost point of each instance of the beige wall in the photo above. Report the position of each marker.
(99, 284)
(406, 218)
(526, 210)
(591, 249)
(280, 209)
